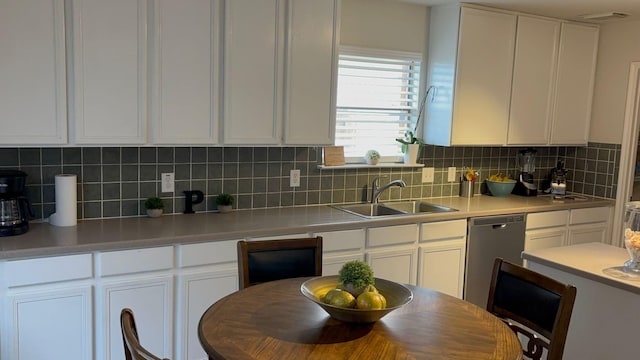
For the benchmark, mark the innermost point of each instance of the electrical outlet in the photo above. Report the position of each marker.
(168, 185)
(294, 178)
(451, 176)
(427, 175)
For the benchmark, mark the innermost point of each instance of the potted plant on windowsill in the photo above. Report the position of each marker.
(224, 202)
(372, 157)
(154, 206)
(410, 147)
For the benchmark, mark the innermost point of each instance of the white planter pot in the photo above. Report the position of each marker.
(372, 161)
(225, 208)
(154, 213)
(411, 153)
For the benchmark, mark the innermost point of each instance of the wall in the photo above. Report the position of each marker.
(618, 47)
(115, 181)
(384, 24)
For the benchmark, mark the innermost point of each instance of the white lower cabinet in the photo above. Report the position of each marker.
(207, 273)
(442, 254)
(47, 306)
(338, 247)
(392, 254)
(589, 225)
(546, 229)
(142, 280)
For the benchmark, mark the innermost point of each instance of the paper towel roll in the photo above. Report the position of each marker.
(66, 195)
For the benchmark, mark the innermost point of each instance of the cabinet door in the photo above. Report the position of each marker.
(546, 238)
(399, 265)
(49, 324)
(150, 298)
(185, 86)
(580, 234)
(110, 81)
(33, 92)
(575, 81)
(198, 291)
(309, 103)
(331, 264)
(253, 43)
(441, 266)
(484, 73)
(534, 68)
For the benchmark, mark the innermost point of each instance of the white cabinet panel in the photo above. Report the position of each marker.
(197, 292)
(135, 261)
(253, 40)
(346, 240)
(545, 238)
(392, 235)
(331, 265)
(33, 91)
(110, 81)
(574, 88)
(218, 252)
(48, 270)
(536, 55)
(547, 219)
(580, 234)
(150, 298)
(399, 265)
(46, 323)
(309, 116)
(185, 93)
(441, 266)
(483, 83)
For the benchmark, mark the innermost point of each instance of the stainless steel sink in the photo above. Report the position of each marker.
(417, 206)
(393, 208)
(369, 210)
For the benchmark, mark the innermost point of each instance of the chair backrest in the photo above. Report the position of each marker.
(267, 260)
(132, 348)
(534, 302)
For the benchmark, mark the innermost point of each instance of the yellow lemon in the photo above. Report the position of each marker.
(340, 298)
(370, 300)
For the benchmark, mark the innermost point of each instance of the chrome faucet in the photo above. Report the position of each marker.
(376, 191)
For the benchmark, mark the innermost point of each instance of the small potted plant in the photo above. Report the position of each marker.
(154, 206)
(224, 202)
(355, 276)
(372, 157)
(410, 147)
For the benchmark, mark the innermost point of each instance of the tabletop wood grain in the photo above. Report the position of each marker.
(275, 321)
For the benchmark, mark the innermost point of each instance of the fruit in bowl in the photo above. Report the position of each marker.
(500, 185)
(357, 299)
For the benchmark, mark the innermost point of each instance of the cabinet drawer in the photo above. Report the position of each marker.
(392, 235)
(443, 230)
(342, 240)
(48, 270)
(134, 261)
(547, 219)
(208, 253)
(589, 215)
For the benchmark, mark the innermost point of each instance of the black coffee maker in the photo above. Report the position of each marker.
(14, 204)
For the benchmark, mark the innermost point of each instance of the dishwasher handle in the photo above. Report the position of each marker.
(498, 226)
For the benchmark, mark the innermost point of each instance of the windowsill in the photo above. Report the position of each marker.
(366, 166)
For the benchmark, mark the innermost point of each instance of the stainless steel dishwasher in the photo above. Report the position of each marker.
(490, 237)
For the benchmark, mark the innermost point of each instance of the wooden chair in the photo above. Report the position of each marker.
(527, 300)
(132, 348)
(267, 260)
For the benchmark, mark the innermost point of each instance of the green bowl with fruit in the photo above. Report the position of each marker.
(501, 188)
(396, 296)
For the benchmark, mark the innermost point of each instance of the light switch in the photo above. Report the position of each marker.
(452, 174)
(294, 178)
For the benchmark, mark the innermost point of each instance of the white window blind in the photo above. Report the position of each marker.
(377, 101)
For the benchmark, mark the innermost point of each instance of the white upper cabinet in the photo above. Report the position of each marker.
(574, 88)
(110, 71)
(533, 79)
(279, 63)
(473, 81)
(309, 116)
(513, 79)
(33, 92)
(184, 90)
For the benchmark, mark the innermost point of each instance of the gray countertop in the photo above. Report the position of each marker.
(595, 261)
(126, 233)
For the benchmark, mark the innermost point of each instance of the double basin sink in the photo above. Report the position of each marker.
(393, 208)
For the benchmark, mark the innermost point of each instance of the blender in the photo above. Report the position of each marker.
(525, 185)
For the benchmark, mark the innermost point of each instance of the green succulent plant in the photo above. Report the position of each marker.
(224, 199)
(153, 203)
(357, 273)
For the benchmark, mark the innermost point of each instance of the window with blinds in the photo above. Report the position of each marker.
(377, 101)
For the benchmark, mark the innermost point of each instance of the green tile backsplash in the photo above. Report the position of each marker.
(114, 181)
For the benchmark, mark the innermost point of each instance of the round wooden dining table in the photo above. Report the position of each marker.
(274, 320)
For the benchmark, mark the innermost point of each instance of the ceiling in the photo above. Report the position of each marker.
(565, 9)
